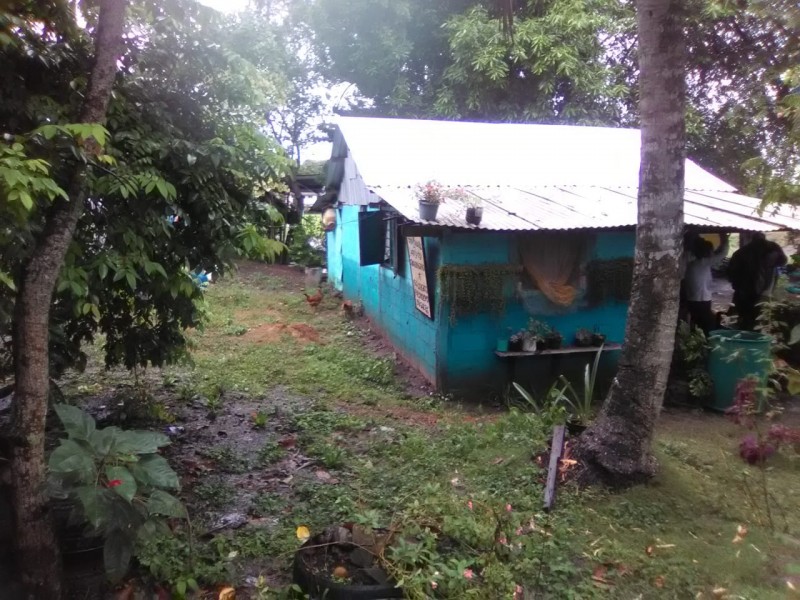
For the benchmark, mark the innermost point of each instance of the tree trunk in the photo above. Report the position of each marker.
(35, 548)
(616, 449)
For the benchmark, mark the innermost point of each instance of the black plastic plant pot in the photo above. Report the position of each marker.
(598, 339)
(553, 342)
(474, 215)
(319, 586)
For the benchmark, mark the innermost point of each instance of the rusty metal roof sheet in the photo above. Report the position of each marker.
(534, 177)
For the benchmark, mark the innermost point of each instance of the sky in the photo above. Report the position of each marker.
(226, 6)
(318, 151)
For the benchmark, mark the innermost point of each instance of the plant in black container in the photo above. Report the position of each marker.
(583, 338)
(515, 342)
(598, 339)
(553, 340)
(113, 483)
(345, 563)
(474, 208)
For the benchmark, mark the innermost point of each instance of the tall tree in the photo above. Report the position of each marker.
(36, 550)
(616, 449)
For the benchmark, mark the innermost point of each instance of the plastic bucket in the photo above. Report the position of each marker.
(736, 355)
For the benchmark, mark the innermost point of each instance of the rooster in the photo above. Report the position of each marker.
(314, 300)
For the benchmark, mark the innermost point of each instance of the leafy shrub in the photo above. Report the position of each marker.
(118, 480)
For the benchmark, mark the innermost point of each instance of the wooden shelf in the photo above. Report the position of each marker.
(570, 350)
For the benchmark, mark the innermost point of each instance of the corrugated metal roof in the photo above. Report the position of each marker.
(534, 177)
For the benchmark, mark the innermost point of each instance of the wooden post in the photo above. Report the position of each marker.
(556, 450)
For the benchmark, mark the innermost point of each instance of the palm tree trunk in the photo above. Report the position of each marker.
(616, 449)
(35, 547)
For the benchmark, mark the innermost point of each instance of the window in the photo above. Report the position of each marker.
(379, 239)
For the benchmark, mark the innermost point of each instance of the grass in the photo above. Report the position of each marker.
(670, 539)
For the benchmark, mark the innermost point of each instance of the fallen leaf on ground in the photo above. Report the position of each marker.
(719, 593)
(659, 581)
(227, 593)
(741, 532)
(498, 460)
(303, 533)
(325, 477)
(287, 442)
(599, 576)
(649, 551)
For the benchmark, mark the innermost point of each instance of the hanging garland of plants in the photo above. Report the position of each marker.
(474, 289)
(609, 280)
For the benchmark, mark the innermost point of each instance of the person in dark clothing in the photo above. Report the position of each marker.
(751, 272)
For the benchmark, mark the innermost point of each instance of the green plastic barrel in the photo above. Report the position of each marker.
(736, 355)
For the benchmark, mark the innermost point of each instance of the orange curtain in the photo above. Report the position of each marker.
(553, 262)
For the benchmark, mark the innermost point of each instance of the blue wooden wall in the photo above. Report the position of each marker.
(467, 360)
(460, 356)
(388, 298)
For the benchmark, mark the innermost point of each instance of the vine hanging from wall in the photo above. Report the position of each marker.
(609, 280)
(474, 289)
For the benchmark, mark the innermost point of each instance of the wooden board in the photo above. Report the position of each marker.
(571, 350)
(556, 449)
(419, 275)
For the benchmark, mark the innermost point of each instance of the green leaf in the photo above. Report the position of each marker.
(794, 336)
(154, 470)
(162, 503)
(71, 458)
(93, 501)
(127, 487)
(140, 442)
(102, 270)
(103, 441)
(117, 553)
(130, 277)
(76, 422)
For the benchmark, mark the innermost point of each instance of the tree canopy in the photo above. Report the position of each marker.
(573, 61)
(182, 182)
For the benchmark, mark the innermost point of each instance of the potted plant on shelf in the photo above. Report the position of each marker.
(516, 342)
(583, 338)
(598, 339)
(430, 195)
(544, 336)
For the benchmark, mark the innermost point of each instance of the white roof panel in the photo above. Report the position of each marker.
(533, 177)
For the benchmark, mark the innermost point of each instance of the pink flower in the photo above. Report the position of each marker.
(508, 508)
(469, 504)
(518, 531)
(114, 483)
(468, 574)
(502, 540)
(434, 585)
(518, 592)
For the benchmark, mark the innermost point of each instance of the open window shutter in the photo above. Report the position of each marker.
(371, 235)
(397, 255)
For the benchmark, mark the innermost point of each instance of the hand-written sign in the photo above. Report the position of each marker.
(419, 276)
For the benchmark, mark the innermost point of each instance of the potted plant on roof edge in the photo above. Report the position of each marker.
(473, 203)
(430, 195)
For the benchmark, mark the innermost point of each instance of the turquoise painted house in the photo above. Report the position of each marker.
(553, 249)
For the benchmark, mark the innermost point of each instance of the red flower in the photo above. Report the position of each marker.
(114, 483)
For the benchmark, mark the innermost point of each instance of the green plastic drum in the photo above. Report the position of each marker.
(736, 355)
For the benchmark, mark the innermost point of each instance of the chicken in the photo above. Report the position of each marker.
(314, 300)
(349, 311)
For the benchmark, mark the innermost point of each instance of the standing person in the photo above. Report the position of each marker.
(752, 275)
(698, 281)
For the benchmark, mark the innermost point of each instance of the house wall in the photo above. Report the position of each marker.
(467, 362)
(388, 298)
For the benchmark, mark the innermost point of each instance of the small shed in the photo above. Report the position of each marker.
(555, 244)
